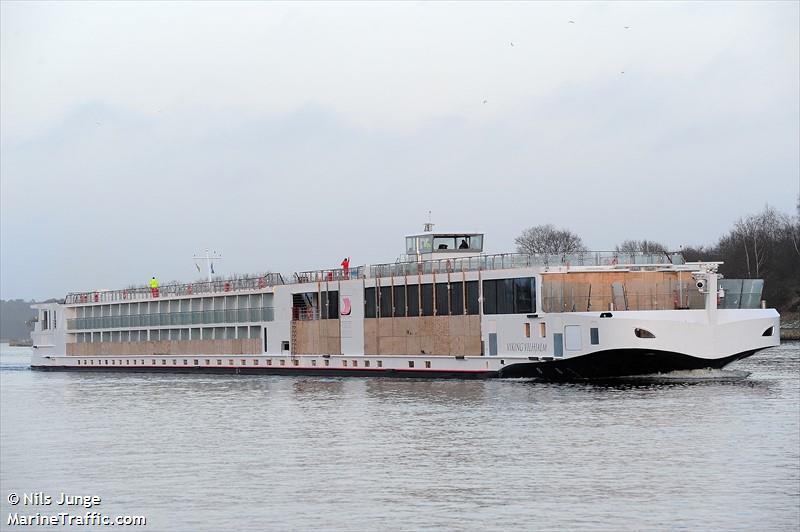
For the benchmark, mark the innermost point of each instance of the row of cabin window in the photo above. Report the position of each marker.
(501, 296)
(163, 335)
(174, 305)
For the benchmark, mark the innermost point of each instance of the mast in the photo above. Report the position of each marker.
(209, 258)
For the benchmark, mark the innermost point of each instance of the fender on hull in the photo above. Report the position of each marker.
(617, 363)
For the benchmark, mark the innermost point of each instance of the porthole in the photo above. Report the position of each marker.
(643, 333)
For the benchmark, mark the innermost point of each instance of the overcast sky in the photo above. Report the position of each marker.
(286, 136)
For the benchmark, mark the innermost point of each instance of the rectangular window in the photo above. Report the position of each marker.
(542, 330)
(370, 308)
(427, 300)
(412, 300)
(509, 296)
(523, 295)
(457, 298)
(399, 301)
(427, 363)
(505, 296)
(313, 361)
(269, 362)
(442, 300)
(490, 297)
(410, 363)
(527, 330)
(473, 307)
(330, 304)
(366, 363)
(594, 333)
(327, 362)
(380, 363)
(386, 301)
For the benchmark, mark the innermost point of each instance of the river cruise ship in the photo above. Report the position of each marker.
(443, 309)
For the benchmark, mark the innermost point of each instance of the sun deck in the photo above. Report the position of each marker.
(600, 259)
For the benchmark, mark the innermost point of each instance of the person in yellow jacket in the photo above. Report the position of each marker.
(154, 286)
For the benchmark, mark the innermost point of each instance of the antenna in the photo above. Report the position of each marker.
(209, 258)
(428, 227)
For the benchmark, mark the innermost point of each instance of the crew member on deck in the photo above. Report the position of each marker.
(463, 244)
(154, 286)
(346, 268)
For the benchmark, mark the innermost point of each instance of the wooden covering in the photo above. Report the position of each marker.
(317, 337)
(250, 346)
(429, 335)
(596, 291)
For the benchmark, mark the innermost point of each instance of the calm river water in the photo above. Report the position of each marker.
(717, 451)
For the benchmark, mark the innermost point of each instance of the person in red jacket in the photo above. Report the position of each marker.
(346, 267)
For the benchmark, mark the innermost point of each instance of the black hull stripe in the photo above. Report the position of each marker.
(617, 363)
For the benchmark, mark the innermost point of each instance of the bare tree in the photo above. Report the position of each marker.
(547, 239)
(756, 234)
(647, 246)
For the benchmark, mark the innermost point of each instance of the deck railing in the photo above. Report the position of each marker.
(466, 264)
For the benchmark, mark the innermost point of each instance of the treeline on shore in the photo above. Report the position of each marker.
(16, 319)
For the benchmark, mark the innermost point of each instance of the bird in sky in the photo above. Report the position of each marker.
(484, 101)
(622, 72)
(627, 27)
(512, 44)
(572, 22)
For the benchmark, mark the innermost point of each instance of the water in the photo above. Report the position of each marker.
(700, 451)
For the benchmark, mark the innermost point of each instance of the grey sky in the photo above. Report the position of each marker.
(290, 135)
